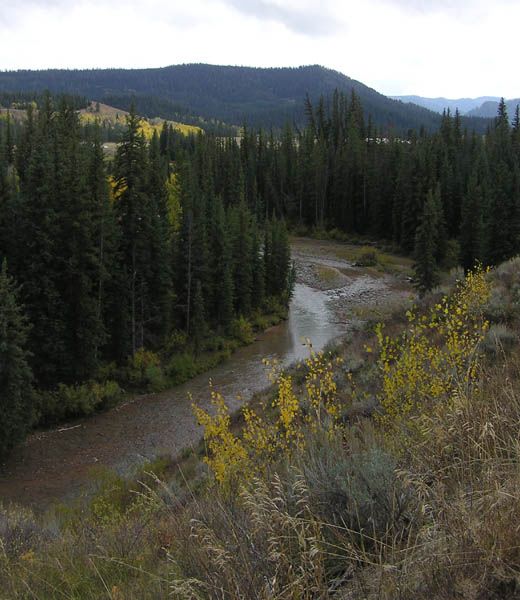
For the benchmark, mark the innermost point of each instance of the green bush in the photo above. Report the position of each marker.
(77, 401)
(145, 371)
(497, 307)
(357, 489)
(215, 344)
(452, 255)
(275, 308)
(336, 234)
(177, 342)
(242, 330)
(181, 367)
(19, 531)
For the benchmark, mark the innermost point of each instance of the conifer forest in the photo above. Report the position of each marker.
(111, 268)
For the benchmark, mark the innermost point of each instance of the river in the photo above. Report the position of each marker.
(57, 465)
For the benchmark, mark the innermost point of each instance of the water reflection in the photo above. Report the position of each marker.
(58, 464)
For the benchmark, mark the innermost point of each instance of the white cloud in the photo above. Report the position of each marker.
(441, 47)
(309, 20)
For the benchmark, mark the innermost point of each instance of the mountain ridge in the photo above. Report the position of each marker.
(483, 106)
(266, 97)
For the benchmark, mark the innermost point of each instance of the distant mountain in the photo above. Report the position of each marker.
(440, 104)
(236, 95)
(489, 109)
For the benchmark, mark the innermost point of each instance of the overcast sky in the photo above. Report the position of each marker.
(429, 47)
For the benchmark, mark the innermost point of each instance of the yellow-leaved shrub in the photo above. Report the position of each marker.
(281, 427)
(435, 356)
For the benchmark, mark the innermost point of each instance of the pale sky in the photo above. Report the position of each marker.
(457, 48)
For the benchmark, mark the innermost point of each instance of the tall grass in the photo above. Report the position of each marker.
(350, 509)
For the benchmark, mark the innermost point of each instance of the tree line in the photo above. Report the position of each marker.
(104, 262)
(449, 197)
(260, 97)
(183, 239)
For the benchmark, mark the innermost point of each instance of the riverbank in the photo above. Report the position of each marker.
(417, 502)
(59, 464)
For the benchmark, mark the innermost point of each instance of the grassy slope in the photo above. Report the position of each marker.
(113, 116)
(361, 512)
(110, 115)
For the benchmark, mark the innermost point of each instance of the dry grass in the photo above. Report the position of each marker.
(344, 517)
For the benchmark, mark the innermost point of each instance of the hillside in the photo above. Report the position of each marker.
(387, 469)
(484, 107)
(464, 105)
(258, 96)
(489, 109)
(109, 115)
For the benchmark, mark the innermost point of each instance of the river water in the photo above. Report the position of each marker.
(57, 465)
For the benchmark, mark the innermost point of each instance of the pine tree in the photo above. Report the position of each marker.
(472, 225)
(15, 374)
(426, 269)
(198, 322)
(222, 268)
(134, 214)
(160, 277)
(107, 279)
(78, 285)
(240, 220)
(258, 268)
(41, 262)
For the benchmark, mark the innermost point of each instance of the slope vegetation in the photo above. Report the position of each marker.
(261, 97)
(386, 470)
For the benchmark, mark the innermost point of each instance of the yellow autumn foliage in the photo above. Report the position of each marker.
(112, 116)
(226, 453)
(435, 356)
(281, 427)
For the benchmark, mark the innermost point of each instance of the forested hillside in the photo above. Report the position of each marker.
(489, 108)
(463, 105)
(130, 272)
(448, 197)
(236, 95)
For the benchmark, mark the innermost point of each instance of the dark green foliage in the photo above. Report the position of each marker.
(16, 393)
(189, 243)
(426, 244)
(198, 324)
(140, 174)
(472, 225)
(237, 95)
(110, 269)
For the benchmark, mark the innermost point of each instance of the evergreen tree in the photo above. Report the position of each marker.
(107, 280)
(134, 215)
(426, 268)
(15, 374)
(41, 263)
(472, 225)
(258, 268)
(240, 229)
(198, 323)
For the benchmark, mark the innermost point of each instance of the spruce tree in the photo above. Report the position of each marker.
(240, 219)
(198, 319)
(42, 262)
(15, 375)
(472, 225)
(134, 215)
(258, 267)
(426, 269)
